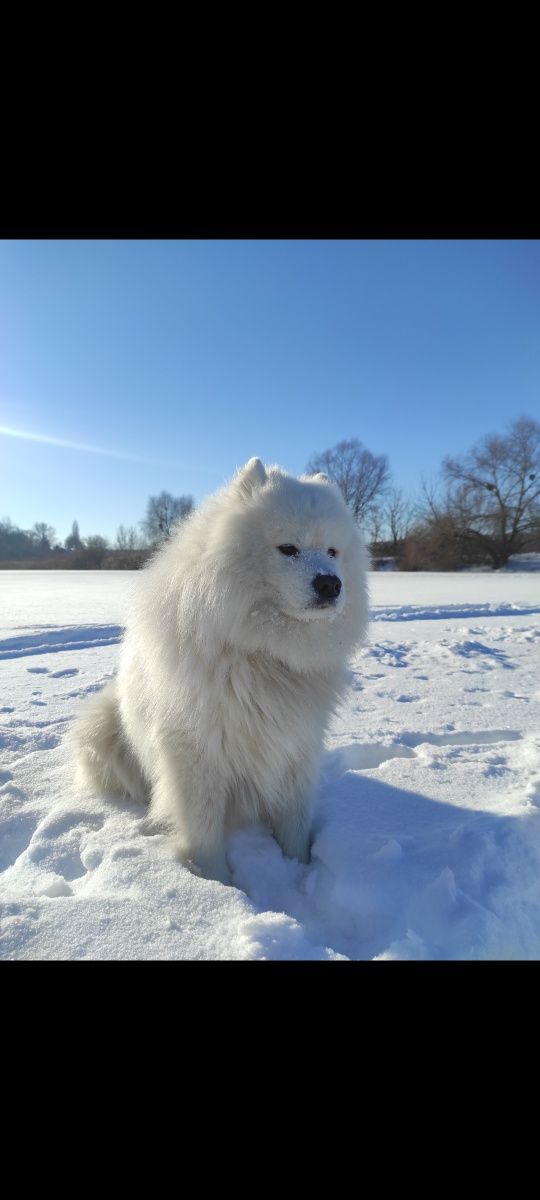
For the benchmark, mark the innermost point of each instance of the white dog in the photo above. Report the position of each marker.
(232, 662)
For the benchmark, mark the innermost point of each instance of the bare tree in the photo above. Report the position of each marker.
(398, 515)
(361, 475)
(162, 514)
(127, 538)
(374, 524)
(44, 535)
(436, 539)
(494, 492)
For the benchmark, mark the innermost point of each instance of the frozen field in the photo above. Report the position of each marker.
(427, 824)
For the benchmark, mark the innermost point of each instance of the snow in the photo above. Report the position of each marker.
(523, 562)
(427, 822)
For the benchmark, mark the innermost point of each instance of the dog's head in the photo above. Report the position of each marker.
(291, 564)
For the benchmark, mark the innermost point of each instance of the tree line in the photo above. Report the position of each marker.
(482, 508)
(39, 547)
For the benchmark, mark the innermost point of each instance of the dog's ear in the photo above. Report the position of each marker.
(252, 476)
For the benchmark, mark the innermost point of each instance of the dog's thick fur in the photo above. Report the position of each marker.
(232, 664)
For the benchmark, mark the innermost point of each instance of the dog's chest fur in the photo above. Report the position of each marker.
(266, 721)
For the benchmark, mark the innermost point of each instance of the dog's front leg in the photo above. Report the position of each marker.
(189, 795)
(291, 824)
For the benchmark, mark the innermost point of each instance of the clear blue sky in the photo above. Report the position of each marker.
(189, 357)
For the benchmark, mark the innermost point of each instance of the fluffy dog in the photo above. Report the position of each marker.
(233, 660)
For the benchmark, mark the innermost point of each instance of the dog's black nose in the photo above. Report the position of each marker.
(327, 587)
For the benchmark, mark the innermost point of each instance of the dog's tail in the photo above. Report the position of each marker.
(105, 761)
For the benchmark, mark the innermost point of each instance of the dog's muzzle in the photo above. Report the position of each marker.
(327, 588)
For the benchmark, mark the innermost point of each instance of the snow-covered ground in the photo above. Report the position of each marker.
(427, 824)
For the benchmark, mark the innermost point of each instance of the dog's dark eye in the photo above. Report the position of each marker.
(290, 551)
(332, 552)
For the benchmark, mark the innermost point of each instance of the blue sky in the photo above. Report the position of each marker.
(186, 358)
